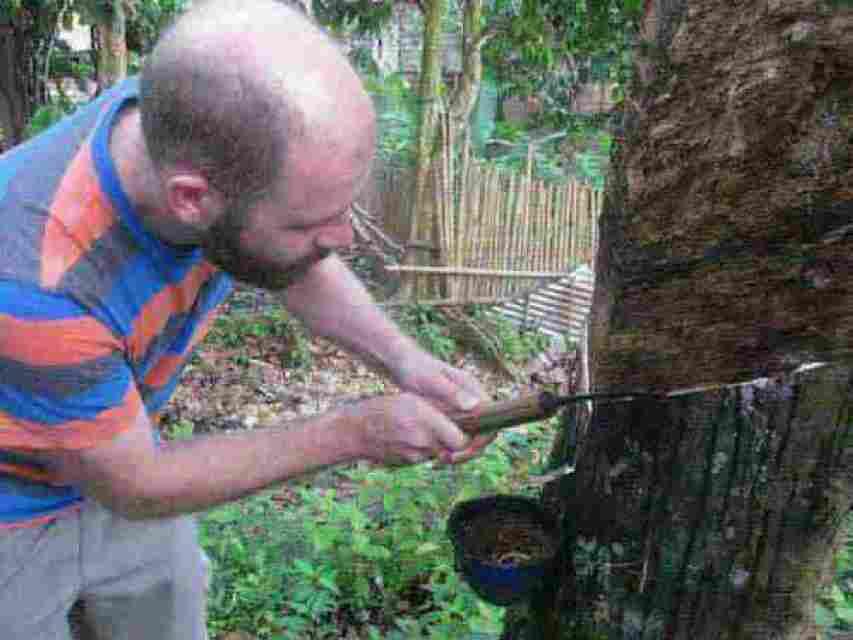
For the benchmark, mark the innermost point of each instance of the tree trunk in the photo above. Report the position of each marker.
(25, 44)
(112, 51)
(12, 101)
(422, 224)
(725, 256)
(465, 96)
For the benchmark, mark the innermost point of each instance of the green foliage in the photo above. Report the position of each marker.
(543, 34)
(147, 20)
(519, 345)
(433, 332)
(48, 115)
(366, 559)
(430, 328)
(534, 45)
(397, 117)
(239, 330)
(835, 607)
(248, 543)
(362, 16)
(581, 149)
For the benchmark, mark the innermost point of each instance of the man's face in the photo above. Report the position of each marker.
(274, 241)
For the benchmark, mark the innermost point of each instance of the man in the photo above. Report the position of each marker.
(238, 151)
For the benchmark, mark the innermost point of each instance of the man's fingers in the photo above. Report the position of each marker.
(449, 435)
(469, 393)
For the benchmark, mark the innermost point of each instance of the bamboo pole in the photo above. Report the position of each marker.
(511, 186)
(482, 236)
(573, 225)
(489, 239)
(585, 211)
(482, 206)
(439, 229)
(567, 226)
(519, 206)
(504, 237)
(550, 230)
(446, 202)
(469, 211)
(543, 227)
(532, 211)
(497, 261)
(472, 272)
(559, 201)
(497, 257)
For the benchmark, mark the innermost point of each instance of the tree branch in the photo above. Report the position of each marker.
(490, 32)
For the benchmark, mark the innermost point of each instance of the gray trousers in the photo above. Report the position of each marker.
(143, 580)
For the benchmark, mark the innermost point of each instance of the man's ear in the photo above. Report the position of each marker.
(193, 201)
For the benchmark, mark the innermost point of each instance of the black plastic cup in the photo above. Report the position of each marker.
(475, 528)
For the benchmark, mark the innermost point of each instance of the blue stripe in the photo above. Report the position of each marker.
(21, 156)
(59, 380)
(111, 185)
(138, 281)
(156, 399)
(219, 289)
(28, 302)
(22, 500)
(52, 411)
(180, 330)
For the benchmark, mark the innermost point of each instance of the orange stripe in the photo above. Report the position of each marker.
(79, 215)
(45, 343)
(24, 436)
(162, 373)
(178, 298)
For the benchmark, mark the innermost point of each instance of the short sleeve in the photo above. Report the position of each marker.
(65, 382)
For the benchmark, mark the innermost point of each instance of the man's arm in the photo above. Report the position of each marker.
(135, 478)
(333, 303)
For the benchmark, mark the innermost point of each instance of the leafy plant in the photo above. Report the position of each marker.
(248, 543)
(426, 325)
(48, 115)
(240, 330)
(516, 344)
(834, 612)
(366, 559)
(397, 117)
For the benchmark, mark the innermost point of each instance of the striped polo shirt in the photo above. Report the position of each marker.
(97, 316)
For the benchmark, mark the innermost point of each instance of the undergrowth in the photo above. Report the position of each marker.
(835, 607)
(366, 558)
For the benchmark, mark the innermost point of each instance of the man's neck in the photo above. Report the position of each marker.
(130, 157)
(140, 181)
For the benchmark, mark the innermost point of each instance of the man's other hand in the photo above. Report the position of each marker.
(448, 388)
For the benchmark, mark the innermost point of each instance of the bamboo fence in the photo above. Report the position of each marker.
(499, 233)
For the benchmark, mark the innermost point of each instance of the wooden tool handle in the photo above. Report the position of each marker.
(500, 415)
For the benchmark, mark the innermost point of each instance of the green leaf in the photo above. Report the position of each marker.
(324, 537)
(427, 547)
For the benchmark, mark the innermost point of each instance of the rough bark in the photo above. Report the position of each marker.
(726, 237)
(473, 38)
(422, 224)
(24, 46)
(112, 49)
(725, 255)
(710, 515)
(12, 119)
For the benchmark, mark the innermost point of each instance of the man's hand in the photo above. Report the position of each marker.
(401, 429)
(448, 388)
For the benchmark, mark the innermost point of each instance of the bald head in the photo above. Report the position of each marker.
(235, 87)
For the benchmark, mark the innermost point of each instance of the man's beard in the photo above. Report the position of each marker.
(222, 248)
